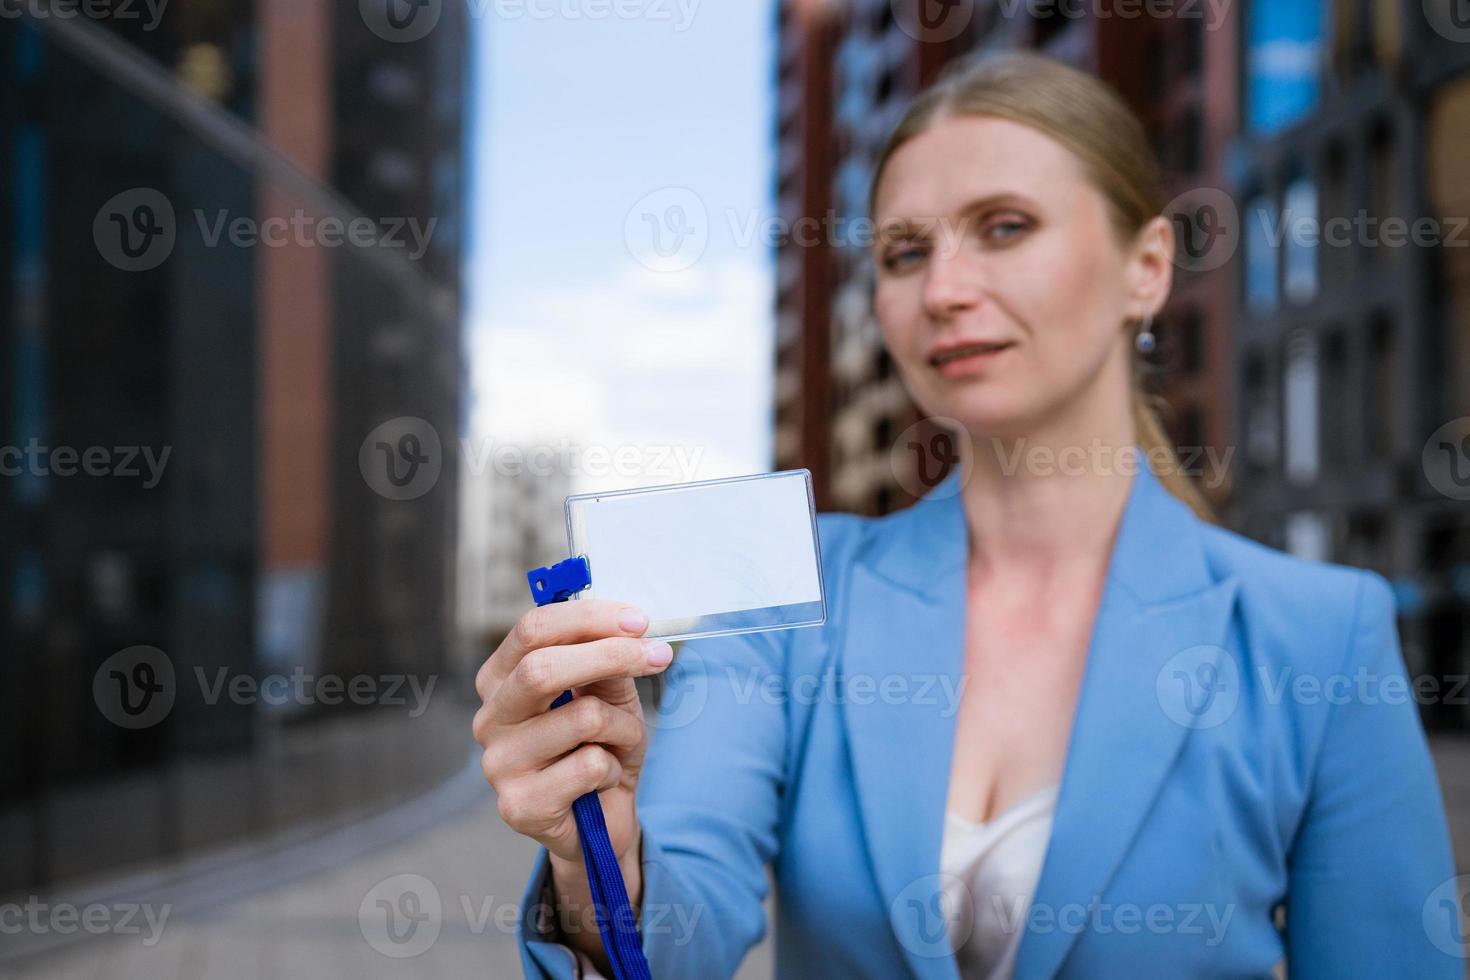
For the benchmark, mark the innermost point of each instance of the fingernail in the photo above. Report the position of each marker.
(633, 620)
(658, 652)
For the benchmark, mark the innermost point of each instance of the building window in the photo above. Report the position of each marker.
(1302, 398)
(883, 434)
(1308, 536)
(1190, 142)
(1383, 177)
(1300, 221)
(1336, 253)
(853, 178)
(1156, 65)
(882, 365)
(1262, 429)
(1383, 396)
(886, 85)
(882, 18)
(1336, 397)
(1365, 541)
(1192, 429)
(1260, 256)
(1194, 44)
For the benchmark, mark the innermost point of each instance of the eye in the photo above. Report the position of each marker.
(903, 258)
(1006, 229)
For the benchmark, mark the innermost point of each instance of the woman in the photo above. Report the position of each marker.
(1056, 723)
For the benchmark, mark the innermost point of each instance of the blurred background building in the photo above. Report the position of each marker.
(513, 520)
(1328, 368)
(846, 71)
(1349, 357)
(263, 545)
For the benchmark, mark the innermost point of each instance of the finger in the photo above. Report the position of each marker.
(559, 624)
(537, 801)
(482, 726)
(538, 742)
(545, 673)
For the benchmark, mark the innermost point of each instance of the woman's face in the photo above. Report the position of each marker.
(991, 235)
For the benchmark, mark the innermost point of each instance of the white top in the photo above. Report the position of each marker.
(989, 873)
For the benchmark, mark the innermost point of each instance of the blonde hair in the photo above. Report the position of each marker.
(1091, 120)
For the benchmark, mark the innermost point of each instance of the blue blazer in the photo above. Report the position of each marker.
(1245, 745)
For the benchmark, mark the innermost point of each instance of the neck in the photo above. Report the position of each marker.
(1049, 502)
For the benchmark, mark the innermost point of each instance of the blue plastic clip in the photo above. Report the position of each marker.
(559, 582)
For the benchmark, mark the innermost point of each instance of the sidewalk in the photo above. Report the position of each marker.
(310, 927)
(234, 922)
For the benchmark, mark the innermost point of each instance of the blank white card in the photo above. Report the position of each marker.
(708, 558)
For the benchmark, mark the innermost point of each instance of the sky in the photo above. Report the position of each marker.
(616, 294)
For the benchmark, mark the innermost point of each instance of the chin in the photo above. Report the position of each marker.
(989, 414)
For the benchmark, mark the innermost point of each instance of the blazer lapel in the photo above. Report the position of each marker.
(906, 630)
(1160, 603)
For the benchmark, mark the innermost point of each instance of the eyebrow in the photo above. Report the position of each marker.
(906, 227)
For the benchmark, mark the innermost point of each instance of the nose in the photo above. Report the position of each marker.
(954, 282)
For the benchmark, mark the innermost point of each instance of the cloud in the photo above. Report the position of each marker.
(635, 358)
(523, 391)
(714, 316)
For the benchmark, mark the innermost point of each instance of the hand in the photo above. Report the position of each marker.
(540, 761)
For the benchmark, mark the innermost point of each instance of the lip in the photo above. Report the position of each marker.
(991, 348)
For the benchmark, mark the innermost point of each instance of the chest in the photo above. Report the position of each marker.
(1023, 668)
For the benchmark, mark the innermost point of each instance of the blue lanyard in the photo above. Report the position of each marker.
(615, 919)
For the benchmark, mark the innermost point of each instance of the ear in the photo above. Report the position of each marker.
(1150, 269)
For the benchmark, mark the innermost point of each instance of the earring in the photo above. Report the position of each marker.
(1146, 341)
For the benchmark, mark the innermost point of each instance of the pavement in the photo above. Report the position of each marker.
(428, 888)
